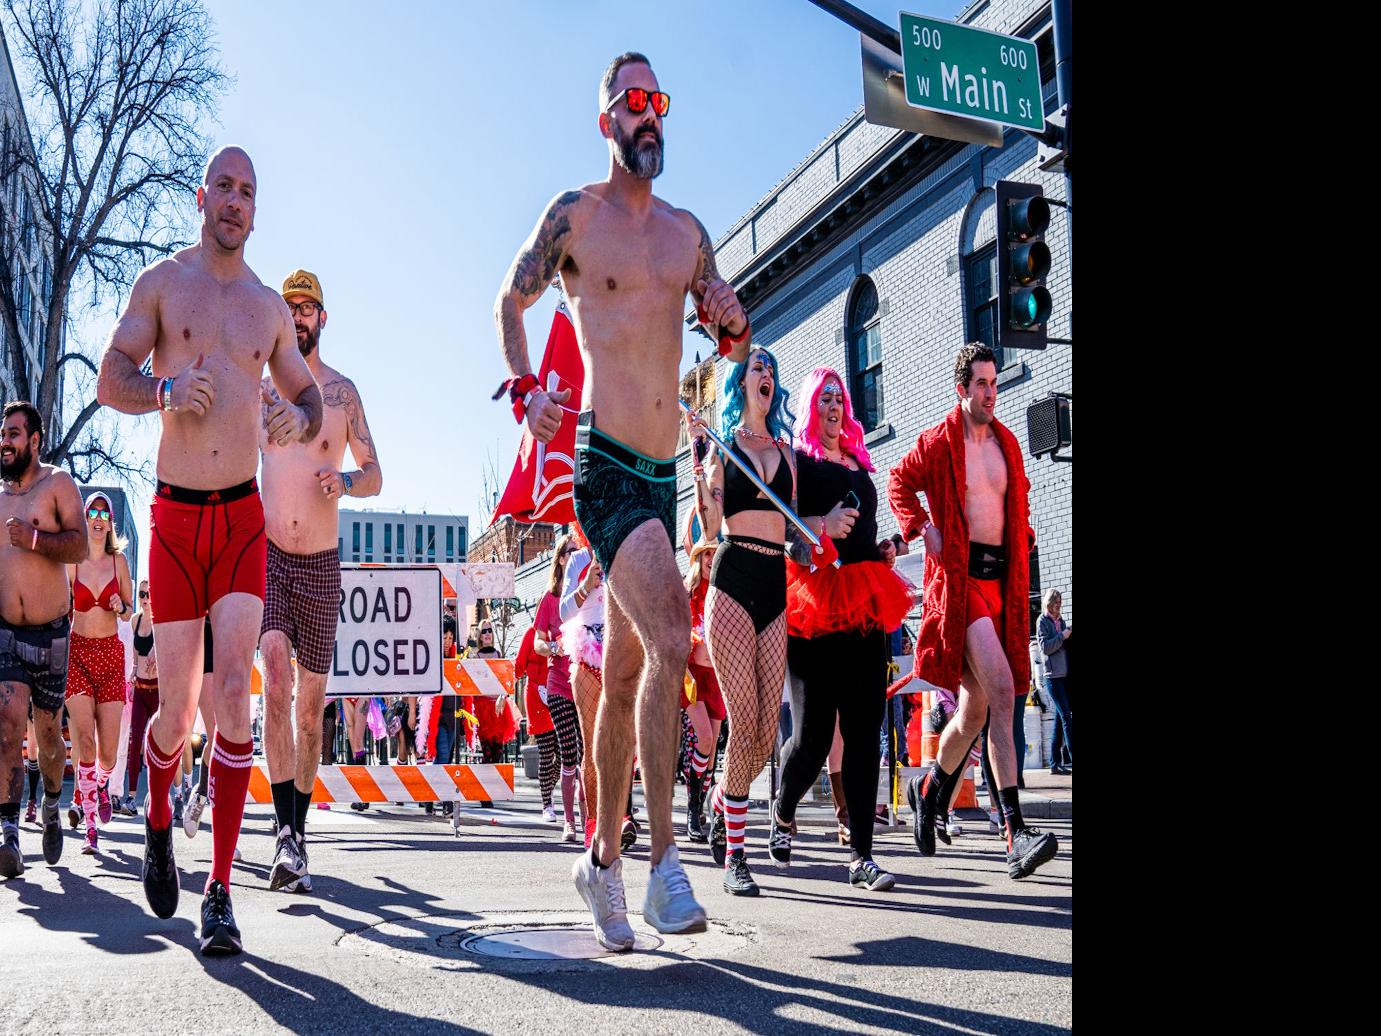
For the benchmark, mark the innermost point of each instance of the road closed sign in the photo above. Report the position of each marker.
(388, 640)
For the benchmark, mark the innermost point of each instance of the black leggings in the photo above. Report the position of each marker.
(844, 673)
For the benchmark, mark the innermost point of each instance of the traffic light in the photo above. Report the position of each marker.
(1023, 263)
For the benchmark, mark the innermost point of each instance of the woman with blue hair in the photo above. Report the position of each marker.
(745, 609)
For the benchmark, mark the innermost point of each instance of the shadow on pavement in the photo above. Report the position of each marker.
(915, 952)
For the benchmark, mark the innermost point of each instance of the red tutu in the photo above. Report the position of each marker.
(860, 596)
(501, 726)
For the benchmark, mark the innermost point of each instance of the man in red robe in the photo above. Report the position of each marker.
(974, 636)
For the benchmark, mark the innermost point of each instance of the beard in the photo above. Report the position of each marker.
(309, 341)
(15, 469)
(641, 159)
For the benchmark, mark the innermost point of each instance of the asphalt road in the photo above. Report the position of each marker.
(378, 947)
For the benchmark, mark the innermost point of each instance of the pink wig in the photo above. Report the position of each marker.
(851, 432)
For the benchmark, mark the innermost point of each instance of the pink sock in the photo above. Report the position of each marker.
(86, 791)
(163, 770)
(226, 788)
(570, 779)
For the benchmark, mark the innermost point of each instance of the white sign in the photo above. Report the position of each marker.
(388, 640)
(481, 581)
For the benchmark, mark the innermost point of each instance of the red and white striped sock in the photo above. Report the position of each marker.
(735, 820)
(699, 761)
(163, 770)
(228, 784)
(717, 798)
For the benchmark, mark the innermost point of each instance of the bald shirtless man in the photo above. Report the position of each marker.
(626, 260)
(211, 326)
(974, 625)
(303, 485)
(44, 532)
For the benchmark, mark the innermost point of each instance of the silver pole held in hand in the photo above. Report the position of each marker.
(756, 479)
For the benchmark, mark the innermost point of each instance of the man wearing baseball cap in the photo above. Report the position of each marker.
(303, 485)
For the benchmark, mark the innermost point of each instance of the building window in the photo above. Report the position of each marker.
(431, 542)
(460, 538)
(417, 543)
(340, 547)
(450, 543)
(865, 355)
(401, 548)
(980, 278)
(388, 541)
(369, 542)
(355, 541)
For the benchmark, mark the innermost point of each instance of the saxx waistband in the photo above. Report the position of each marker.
(588, 437)
(987, 561)
(167, 491)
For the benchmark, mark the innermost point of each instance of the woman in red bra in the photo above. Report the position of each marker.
(96, 665)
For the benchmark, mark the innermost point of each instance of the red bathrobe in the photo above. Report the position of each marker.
(935, 466)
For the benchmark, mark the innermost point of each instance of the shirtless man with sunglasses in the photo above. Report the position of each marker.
(626, 260)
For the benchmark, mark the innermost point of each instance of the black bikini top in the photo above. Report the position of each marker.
(741, 495)
(143, 645)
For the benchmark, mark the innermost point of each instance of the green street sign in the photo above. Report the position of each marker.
(960, 70)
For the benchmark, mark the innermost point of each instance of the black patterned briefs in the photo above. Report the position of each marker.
(617, 489)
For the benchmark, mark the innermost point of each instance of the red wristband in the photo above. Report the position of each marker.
(518, 389)
(728, 341)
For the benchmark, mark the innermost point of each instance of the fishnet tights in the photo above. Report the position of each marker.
(587, 686)
(751, 668)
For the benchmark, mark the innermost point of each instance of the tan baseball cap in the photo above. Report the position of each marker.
(303, 282)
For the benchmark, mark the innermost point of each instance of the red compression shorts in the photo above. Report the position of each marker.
(985, 602)
(204, 544)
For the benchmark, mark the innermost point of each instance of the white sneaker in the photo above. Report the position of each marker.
(568, 833)
(237, 857)
(191, 816)
(953, 826)
(994, 822)
(549, 815)
(602, 890)
(670, 905)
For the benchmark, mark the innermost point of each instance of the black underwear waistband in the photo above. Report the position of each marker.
(752, 542)
(167, 491)
(58, 625)
(588, 437)
(987, 561)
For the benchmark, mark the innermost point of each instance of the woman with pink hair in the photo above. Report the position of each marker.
(837, 618)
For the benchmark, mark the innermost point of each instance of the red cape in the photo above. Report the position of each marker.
(935, 466)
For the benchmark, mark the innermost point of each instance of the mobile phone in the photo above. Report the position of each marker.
(851, 500)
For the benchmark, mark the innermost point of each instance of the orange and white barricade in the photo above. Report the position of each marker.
(457, 782)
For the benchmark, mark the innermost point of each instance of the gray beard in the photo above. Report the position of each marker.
(644, 163)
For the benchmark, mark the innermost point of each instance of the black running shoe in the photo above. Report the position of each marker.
(219, 936)
(628, 837)
(737, 879)
(11, 859)
(719, 837)
(922, 818)
(870, 876)
(695, 827)
(52, 833)
(778, 839)
(160, 869)
(1028, 849)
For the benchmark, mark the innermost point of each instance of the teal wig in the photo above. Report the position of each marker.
(779, 417)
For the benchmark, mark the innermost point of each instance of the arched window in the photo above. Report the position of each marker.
(865, 355)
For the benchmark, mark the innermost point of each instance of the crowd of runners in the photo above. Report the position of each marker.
(628, 655)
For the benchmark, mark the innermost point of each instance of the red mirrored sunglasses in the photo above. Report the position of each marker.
(636, 98)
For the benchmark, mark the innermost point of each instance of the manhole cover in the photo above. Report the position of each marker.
(536, 940)
(546, 944)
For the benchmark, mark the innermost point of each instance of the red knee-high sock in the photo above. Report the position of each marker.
(163, 770)
(227, 787)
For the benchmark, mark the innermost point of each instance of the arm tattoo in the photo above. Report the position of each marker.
(342, 395)
(708, 270)
(531, 272)
(309, 399)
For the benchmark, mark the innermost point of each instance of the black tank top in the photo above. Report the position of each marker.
(823, 484)
(143, 644)
(741, 495)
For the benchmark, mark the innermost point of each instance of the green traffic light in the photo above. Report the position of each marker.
(1029, 307)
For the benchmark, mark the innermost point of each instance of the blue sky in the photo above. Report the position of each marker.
(405, 151)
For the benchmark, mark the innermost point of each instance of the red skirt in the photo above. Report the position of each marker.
(494, 726)
(860, 596)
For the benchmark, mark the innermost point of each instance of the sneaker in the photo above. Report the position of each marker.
(160, 869)
(103, 808)
(89, 848)
(549, 815)
(922, 818)
(11, 859)
(31, 814)
(670, 905)
(75, 814)
(236, 855)
(738, 881)
(52, 833)
(302, 884)
(719, 840)
(447, 808)
(568, 833)
(327, 805)
(629, 836)
(177, 810)
(952, 825)
(778, 838)
(602, 890)
(219, 936)
(288, 864)
(1028, 849)
(360, 807)
(994, 822)
(191, 816)
(868, 875)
